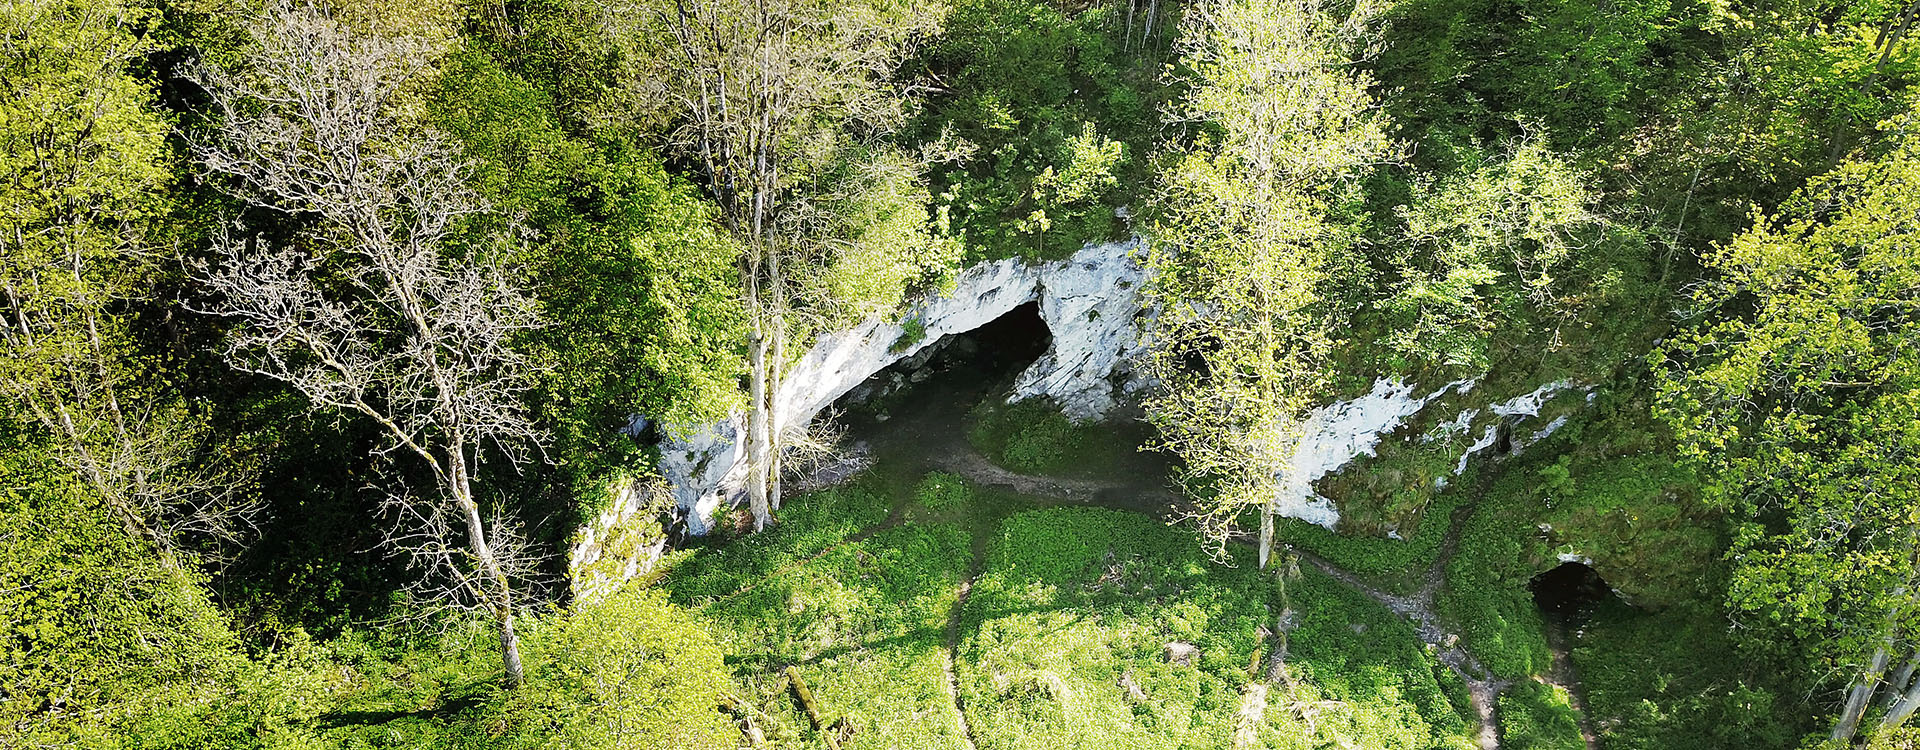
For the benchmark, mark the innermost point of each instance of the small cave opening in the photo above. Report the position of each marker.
(1569, 593)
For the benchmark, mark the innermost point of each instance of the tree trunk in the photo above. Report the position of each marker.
(1897, 684)
(500, 599)
(757, 427)
(1902, 709)
(757, 418)
(777, 431)
(1266, 533)
(1849, 722)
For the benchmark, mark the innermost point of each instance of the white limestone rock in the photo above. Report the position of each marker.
(1089, 303)
(1334, 435)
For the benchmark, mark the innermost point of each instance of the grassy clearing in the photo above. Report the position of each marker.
(1068, 622)
(802, 529)
(863, 623)
(1071, 607)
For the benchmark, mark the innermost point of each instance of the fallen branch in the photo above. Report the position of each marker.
(807, 704)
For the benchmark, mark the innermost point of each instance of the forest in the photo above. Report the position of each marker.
(959, 374)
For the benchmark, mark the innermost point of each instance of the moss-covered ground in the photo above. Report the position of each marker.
(1004, 578)
(1061, 640)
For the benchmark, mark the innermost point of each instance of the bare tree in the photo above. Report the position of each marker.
(758, 91)
(369, 312)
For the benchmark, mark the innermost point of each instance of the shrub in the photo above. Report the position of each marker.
(1539, 717)
(1030, 436)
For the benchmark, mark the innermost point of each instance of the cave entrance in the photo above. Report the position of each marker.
(1569, 593)
(959, 368)
(997, 351)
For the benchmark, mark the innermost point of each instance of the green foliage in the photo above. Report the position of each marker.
(629, 268)
(1535, 716)
(806, 526)
(93, 617)
(912, 331)
(1391, 563)
(1504, 246)
(863, 621)
(630, 671)
(1029, 436)
(1463, 65)
(1044, 124)
(882, 249)
(1486, 594)
(1675, 679)
(1076, 604)
(1800, 402)
(1250, 209)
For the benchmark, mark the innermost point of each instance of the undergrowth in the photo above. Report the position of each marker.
(1535, 716)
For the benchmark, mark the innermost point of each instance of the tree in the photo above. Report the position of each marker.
(1242, 231)
(767, 97)
(379, 305)
(88, 161)
(1511, 244)
(1801, 399)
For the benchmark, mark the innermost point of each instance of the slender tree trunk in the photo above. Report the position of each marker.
(777, 431)
(757, 418)
(1266, 533)
(1889, 37)
(1897, 684)
(500, 598)
(1857, 696)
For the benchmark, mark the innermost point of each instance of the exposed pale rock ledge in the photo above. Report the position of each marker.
(1089, 302)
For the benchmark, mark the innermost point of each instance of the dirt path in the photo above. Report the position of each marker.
(952, 655)
(1564, 676)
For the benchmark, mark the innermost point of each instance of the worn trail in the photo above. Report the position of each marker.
(952, 655)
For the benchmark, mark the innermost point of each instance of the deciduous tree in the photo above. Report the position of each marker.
(1242, 230)
(380, 306)
(1801, 397)
(768, 97)
(88, 163)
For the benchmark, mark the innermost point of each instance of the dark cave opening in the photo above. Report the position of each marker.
(998, 350)
(962, 366)
(1570, 592)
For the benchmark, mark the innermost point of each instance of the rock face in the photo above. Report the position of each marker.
(1336, 434)
(1090, 303)
(1092, 306)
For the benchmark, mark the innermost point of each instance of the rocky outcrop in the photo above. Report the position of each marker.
(1093, 308)
(621, 543)
(1090, 303)
(1333, 436)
